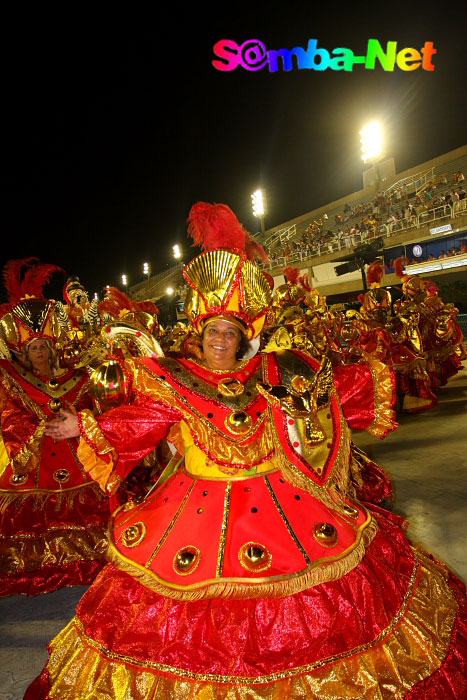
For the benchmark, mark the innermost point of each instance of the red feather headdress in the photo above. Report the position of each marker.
(292, 274)
(375, 273)
(27, 277)
(215, 226)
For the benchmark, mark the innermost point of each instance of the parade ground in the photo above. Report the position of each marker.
(426, 459)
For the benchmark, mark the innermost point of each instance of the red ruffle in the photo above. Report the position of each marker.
(255, 636)
(50, 578)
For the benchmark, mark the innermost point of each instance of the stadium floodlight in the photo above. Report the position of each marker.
(170, 291)
(372, 141)
(95, 296)
(124, 280)
(258, 203)
(177, 251)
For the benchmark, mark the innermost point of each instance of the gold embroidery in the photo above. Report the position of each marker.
(171, 525)
(225, 522)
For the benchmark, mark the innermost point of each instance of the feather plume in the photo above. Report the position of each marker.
(375, 273)
(399, 266)
(304, 282)
(213, 226)
(148, 307)
(253, 249)
(27, 276)
(116, 301)
(292, 274)
(361, 299)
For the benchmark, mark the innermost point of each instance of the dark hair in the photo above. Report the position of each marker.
(242, 347)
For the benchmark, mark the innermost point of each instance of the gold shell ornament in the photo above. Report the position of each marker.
(230, 387)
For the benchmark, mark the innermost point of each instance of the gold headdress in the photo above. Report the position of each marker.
(28, 315)
(223, 280)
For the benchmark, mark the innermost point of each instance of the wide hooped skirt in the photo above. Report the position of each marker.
(394, 627)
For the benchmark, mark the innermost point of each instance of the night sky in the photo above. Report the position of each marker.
(114, 127)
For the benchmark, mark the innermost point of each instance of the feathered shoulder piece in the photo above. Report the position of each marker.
(292, 274)
(375, 273)
(215, 226)
(27, 277)
(304, 282)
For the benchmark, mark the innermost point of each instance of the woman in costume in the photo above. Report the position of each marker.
(251, 571)
(53, 516)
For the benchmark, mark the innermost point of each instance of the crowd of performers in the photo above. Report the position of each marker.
(204, 481)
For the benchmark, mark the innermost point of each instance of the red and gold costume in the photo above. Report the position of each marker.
(52, 515)
(252, 572)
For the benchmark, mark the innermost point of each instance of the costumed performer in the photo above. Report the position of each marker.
(252, 572)
(53, 517)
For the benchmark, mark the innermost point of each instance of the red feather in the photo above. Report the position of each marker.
(292, 274)
(213, 226)
(399, 266)
(375, 273)
(304, 282)
(148, 307)
(253, 249)
(361, 299)
(32, 282)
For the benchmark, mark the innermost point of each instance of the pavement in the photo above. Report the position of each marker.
(426, 459)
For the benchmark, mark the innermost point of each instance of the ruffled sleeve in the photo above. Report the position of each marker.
(118, 440)
(367, 394)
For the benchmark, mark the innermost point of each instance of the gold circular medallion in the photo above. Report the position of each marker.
(62, 476)
(230, 387)
(238, 422)
(325, 534)
(134, 535)
(255, 557)
(55, 405)
(18, 479)
(350, 511)
(186, 560)
(53, 383)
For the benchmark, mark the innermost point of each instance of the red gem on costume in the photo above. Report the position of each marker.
(291, 422)
(107, 330)
(111, 385)
(138, 333)
(296, 444)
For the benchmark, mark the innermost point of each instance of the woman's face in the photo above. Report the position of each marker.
(38, 353)
(220, 344)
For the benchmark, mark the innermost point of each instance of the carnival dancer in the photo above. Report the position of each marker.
(251, 571)
(52, 517)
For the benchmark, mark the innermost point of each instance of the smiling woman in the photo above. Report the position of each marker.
(221, 341)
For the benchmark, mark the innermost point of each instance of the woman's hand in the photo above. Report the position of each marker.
(64, 427)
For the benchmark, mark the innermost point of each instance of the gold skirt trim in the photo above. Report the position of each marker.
(41, 496)
(58, 546)
(318, 572)
(409, 650)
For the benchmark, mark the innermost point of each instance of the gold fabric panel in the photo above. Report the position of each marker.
(383, 394)
(409, 650)
(98, 469)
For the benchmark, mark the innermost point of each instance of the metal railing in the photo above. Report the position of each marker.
(348, 241)
(419, 181)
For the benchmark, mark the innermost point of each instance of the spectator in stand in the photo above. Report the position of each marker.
(461, 192)
(463, 248)
(431, 257)
(442, 255)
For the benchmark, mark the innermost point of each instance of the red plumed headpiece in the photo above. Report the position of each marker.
(399, 267)
(116, 301)
(304, 282)
(27, 277)
(375, 273)
(215, 226)
(292, 274)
